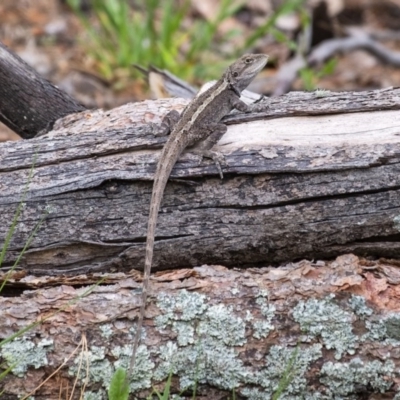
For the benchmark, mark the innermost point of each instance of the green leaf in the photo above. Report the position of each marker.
(118, 390)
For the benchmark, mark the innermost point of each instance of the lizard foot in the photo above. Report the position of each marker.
(262, 104)
(218, 159)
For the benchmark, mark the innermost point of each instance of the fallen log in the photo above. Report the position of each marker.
(29, 104)
(330, 328)
(299, 186)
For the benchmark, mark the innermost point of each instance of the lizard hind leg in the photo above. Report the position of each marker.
(203, 148)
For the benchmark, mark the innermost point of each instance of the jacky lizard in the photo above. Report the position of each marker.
(199, 124)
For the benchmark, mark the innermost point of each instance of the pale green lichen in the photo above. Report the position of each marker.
(185, 332)
(143, 369)
(341, 379)
(206, 337)
(100, 369)
(263, 327)
(207, 362)
(99, 395)
(217, 321)
(22, 353)
(322, 93)
(277, 361)
(106, 330)
(392, 324)
(357, 304)
(220, 323)
(376, 330)
(384, 330)
(323, 318)
(396, 222)
(184, 306)
(263, 293)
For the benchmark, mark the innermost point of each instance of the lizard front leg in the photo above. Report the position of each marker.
(247, 108)
(203, 147)
(168, 123)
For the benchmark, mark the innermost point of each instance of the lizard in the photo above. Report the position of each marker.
(200, 126)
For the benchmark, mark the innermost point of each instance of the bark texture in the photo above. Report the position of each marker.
(307, 186)
(223, 331)
(29, 104)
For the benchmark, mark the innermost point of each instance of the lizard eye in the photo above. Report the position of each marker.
(235, 74)
(248, 60)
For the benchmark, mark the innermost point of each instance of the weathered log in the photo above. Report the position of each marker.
(29, 104)
(294, 187)
(222, 331)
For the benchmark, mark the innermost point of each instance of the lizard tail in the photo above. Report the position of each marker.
(167, 161)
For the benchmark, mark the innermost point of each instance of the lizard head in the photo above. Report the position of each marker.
(244, 70)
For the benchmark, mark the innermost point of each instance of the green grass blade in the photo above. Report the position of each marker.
(287, 375)
(118, 390)
(21, 254)
(18, 212)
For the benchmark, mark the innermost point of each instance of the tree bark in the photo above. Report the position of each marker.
(224, 331)
(294, 187)
(29, 104)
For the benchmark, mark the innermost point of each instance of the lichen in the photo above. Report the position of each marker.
(392, 324)
(277, 362)
(208, 361)
(396, 222)
(100, 369)
(206, 339)
(325, 319)
(99, 395)
(217, 321)
(357, 303)
(106, 330)
(342, 379)
(376, 330)
(220, 323)
(22, 353)
(263, 327)
(184, 306)
(384, 330)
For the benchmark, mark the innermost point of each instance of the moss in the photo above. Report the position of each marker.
(325, 319)
(24, 352)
